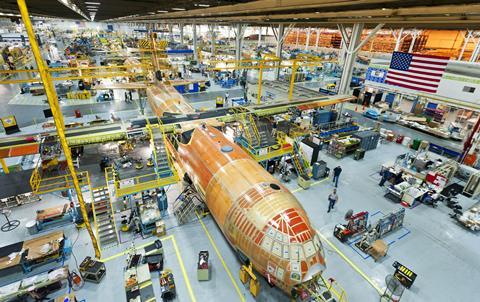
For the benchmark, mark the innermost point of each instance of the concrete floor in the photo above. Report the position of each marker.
(440, 251)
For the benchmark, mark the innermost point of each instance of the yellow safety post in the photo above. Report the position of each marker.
(260, 78)
(292, 80)
(57, 117)
(4, 166)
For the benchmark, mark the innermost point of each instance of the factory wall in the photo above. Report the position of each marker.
(460, 88)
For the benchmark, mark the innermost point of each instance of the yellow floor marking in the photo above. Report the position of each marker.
(179, 257)
(313, 184)
(184, 272)
(355, 267)
(127, 250)
(229, 273)
(344, 257)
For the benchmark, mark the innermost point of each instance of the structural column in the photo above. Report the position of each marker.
(278, 52)
(307, 42)
(350, 58)
(181, 33)
(195, 50)
(170, 32)
(414, 38)
(317, 38)
(211, 29)
(238, 41)
(298, 34)
(259, 36)
(399, 39)
(476, 52)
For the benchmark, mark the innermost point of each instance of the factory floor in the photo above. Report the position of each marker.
(442, 253)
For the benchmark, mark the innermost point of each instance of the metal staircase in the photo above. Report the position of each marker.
(104, 217)
(257, 133)
(160, 154)
(185, 205)
(320, 290)
(302, 166)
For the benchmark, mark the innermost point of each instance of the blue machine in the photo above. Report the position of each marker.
(372, 113)
(103, 97)
(184, 88)
(239, 101)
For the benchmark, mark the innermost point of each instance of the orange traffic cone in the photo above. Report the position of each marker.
(356, 108)
(363, 108)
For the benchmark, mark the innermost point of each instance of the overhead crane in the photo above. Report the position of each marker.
(269, 62)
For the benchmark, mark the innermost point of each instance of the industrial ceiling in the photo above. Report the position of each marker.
(395, 13)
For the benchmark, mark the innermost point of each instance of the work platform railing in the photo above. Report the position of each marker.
(280, 148)
(42, 184)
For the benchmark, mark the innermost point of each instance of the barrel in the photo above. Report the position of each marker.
(32, 227)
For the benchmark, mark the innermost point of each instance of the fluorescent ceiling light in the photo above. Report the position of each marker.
(177, 8)
(94, 3)
(203, 5)
(162, 11)
(73, 7)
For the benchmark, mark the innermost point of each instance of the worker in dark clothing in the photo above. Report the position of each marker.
(332, 200)
(385, 176)
(336, 175)
(130, 95)
(399, 178)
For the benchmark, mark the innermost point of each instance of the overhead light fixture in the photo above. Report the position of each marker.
(74, 7)
(177, 8)
(162, 11)
(203, 5)
(93, 3)
(151, 13)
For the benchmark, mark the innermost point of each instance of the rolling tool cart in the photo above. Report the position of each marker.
(92, 270)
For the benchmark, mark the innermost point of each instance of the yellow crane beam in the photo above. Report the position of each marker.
(57, 117)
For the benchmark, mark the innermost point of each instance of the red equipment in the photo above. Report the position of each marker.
(357, 224)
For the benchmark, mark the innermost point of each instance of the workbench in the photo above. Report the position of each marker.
(35, 252)
(138, 284)
(33, 285)
(54, 216)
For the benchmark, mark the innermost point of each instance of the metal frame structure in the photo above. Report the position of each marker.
(52, 98)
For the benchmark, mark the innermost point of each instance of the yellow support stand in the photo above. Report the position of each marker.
(57, 116)
(4, 166)
(246, 273)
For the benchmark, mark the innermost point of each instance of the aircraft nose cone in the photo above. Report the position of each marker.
(312, 271)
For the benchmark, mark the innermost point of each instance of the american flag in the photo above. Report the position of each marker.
(415, 71)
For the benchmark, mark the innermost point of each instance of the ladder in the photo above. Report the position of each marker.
(104, 217)
(185, 205)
